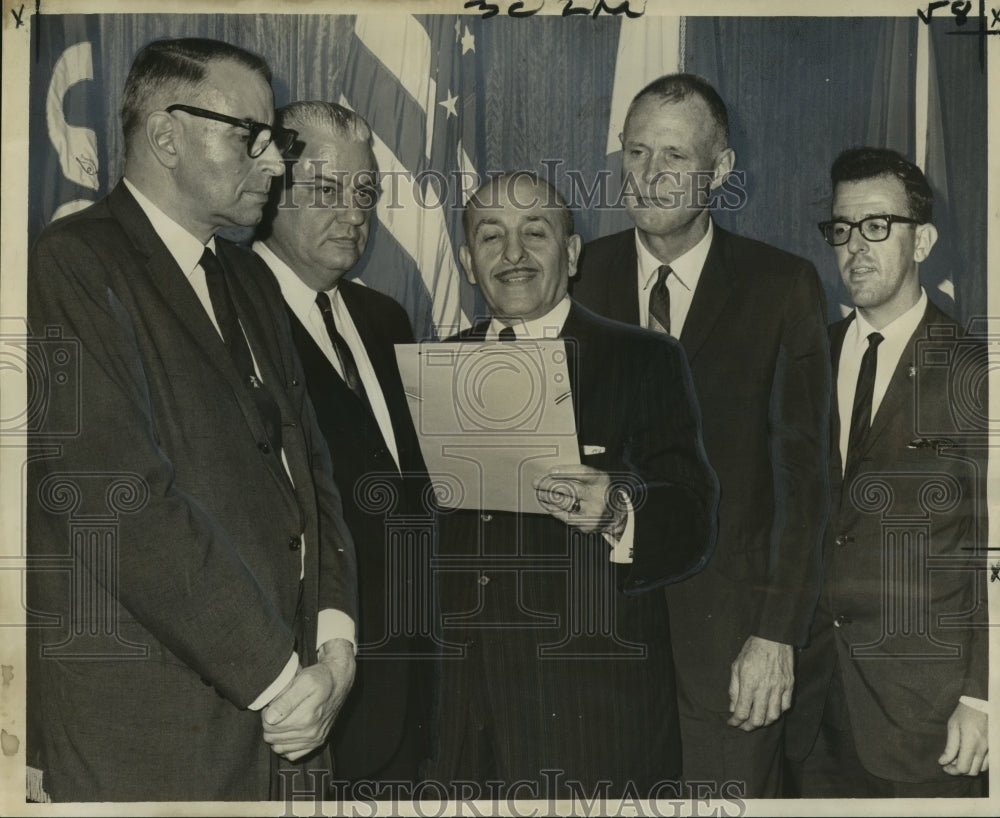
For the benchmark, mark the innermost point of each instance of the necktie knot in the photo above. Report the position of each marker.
(323, 302)
(507, 334)
(874, 339)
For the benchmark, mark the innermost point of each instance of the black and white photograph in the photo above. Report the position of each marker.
(499, 407)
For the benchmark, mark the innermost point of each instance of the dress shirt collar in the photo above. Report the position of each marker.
(686, 268)
(894, 334)
(299, 296)
(183, 246)
(547, 326)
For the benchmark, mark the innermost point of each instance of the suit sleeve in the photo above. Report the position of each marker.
(798, 419)
(178, 573)
(338, 585)
(676, 492)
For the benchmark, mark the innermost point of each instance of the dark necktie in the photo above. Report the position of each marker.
(239, 350)
(659, 299)
(344, 355)
(861, 414)
(507, 334)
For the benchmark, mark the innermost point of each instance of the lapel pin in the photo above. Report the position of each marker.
(911, 371)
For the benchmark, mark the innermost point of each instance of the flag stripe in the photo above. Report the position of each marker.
(375, 93)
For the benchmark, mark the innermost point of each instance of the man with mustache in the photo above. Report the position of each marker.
(751, 319)
(565, 680)
(314, 231)
(204, 643)
(892, 685)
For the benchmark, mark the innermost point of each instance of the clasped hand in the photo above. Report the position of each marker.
(298, 719)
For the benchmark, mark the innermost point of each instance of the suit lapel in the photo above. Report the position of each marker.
(179, 296)
(837, 333)
(623, 295)
(900, 390)
(710, 296)
(382, 356)
(176, 291)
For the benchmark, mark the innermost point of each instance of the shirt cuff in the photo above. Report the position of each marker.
(621, 549)
(334, 624)
(279, 684)
(981, 705)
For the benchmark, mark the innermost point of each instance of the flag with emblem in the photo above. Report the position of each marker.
(67, 112)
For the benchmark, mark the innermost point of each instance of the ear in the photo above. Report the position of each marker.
(162, 136)
(724, 164)
(924, 239)
(465, 257)
(573, 246)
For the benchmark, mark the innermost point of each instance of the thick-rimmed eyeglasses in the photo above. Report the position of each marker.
(261, 135)
(873, 228)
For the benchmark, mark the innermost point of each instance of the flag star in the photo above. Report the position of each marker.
(449, 104)
(468, 41)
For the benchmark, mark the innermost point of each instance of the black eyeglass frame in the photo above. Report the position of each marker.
(283, 138)
(889, 218)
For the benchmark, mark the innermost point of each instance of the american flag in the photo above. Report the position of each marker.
(414, 78)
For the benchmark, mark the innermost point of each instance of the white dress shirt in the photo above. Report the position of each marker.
(550, 326)
(681, 283)
(301, 299)
(187, 250)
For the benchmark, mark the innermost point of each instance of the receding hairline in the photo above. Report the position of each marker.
(563, 215)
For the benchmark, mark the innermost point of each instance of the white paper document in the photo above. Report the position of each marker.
(491, 418)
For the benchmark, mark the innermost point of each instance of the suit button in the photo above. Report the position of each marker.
(843, 539)
(294, 543)
(295, 382)
(487, 517)
(265, 447)
(841, 620)
(484, 580)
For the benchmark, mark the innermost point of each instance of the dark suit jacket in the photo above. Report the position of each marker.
(379, 503)
(171, 521)
(558, 635)
(903, 608)
(756, 343)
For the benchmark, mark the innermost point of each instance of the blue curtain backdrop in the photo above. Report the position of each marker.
(529, 90)
(800, 90)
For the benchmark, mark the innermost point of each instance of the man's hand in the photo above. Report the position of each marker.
(966, 751)
(760, 687)
(299, 718)
(579, 496)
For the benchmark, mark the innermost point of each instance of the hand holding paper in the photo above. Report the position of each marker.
(580, 496)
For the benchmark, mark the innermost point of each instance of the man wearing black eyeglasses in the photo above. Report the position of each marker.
(891, 687)
(207, 643)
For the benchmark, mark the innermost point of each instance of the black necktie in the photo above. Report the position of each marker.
(861, 414)
(659, 299)
(507, 334)
(344, 355)
(239, 350)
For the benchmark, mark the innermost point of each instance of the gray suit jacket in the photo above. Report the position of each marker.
(170, 525)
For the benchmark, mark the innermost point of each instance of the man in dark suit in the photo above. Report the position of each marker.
(313, 233)
(194, 572)
(892, 685)
(751, 320)
(565, 684)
